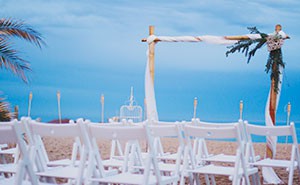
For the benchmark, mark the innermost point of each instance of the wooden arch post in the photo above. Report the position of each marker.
(151, 53)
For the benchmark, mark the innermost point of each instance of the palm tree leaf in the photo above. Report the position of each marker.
(17, 28)
(10, 60)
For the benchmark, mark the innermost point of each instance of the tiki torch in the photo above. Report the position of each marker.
(58, 104)
(241, 109)
(29, 104)
(195, 106)
(289, 108)
(102, 108)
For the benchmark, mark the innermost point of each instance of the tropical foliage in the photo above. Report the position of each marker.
(9, 57)
(5, 114)
(249, 48)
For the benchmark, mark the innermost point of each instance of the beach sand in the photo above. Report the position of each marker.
(59, 149)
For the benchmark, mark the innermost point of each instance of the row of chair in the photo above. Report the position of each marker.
(132, 165)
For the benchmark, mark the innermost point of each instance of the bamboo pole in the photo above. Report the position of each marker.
(151, 53)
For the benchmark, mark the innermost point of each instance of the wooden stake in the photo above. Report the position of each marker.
(151, 53)
(16, 112)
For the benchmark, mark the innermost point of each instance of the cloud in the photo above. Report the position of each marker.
(95, 45)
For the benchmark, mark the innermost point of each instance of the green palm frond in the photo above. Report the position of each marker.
(17, 28)
(10, 60)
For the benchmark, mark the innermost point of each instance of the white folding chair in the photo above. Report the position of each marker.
(275, 131)
(76, 150)
(73, 172)
(13, 133)
(129, 133)
(238, 172)
(199, 145)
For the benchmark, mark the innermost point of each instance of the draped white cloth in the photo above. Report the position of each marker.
(270, 177)
(150, 94)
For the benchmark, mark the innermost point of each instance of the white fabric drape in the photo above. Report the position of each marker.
(150, 94)
(269, 175)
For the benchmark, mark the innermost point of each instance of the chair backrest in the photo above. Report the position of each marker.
(164, 130)
(7, 133)
(54, 130)
(117, 132)
(270, 131)
(38, 130)
(221, 125)
(213, 124)
(212, 132)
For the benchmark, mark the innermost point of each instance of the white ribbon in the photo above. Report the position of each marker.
(269, 175)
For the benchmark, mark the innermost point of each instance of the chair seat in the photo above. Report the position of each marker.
(113, 163)
(9, 151)
(8, 168)
(128, 178)
(67, 172)
(163, 167)
(167, 156)
(8, 181)
(62, 162)
(274, 163)
(220, 158)
(221, 170)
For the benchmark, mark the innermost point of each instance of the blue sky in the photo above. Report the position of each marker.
(94, 47)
